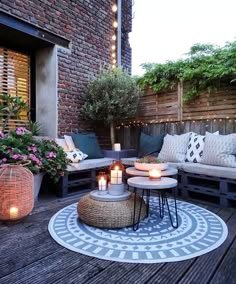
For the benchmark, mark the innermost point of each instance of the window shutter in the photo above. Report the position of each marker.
(15, 81)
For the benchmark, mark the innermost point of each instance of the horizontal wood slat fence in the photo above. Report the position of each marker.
(167, 113)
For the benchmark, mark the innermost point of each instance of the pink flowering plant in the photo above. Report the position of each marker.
(46, 156)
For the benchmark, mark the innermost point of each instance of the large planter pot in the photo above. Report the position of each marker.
(37, 184)
(150, 166)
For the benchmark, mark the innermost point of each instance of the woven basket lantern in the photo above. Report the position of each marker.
(16, 192)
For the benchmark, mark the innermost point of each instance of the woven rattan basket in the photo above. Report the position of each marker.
(16, 192)
(104, 214)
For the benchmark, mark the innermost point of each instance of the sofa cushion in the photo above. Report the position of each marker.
(62, 143)
(220, 150)
(70, 143)
(149, 145)
(195, 147)
(174, 148)
(209, 170)
(76, 156)
(88, 144)
(90, 164)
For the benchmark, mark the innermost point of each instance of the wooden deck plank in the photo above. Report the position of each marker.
(29, 256)
(210, 261)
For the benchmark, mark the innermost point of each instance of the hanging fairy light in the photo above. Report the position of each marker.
(114, 36)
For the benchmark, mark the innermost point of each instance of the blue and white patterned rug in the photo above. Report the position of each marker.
(199, 232)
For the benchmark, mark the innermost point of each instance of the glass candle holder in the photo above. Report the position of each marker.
(154, 174)
(102, 183)
(116, 173)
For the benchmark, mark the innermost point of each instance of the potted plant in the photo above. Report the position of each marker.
(150, 162)
(44, 156)
(112, 96)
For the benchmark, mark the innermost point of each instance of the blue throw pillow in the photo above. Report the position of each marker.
(88, 144)
(150, 145)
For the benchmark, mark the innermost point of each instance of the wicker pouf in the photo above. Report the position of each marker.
(108, 214)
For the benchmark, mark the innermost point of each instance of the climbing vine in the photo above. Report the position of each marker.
(205, 68)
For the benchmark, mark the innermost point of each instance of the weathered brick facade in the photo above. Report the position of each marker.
(87, 24)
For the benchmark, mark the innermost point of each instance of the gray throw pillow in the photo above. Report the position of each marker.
(174, 148)
(220, 150)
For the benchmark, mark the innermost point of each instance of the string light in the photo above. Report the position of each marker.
(113, 37)
(113, 47)
(114, 61)
(168, 120)
(114, 8)
(115, 24)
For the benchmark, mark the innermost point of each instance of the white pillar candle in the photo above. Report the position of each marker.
(13, 212)
(117, 147)
(102, 184)
(116, 176)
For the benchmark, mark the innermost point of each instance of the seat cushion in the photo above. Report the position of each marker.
(90, 164)
(88, 144)
(149, 145)
(215, 171)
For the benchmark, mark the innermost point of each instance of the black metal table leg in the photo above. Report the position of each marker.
(176, 212)
(136, 225)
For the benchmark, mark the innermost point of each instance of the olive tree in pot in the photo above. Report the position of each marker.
(112, 96)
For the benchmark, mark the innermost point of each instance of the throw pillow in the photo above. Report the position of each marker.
(195, 147)
(149, 145)
(220, 150)
(69, 142)
(76, 156)
(174, 148)
(88, 144)
(62, 143)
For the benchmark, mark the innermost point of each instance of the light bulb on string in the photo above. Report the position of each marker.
(113, 37)
(115, 24)
(113, 47)
(114, 8)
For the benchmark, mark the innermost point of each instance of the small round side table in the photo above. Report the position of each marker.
(147, 184)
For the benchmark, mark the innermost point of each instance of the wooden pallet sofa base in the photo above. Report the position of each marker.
(212, 184)
(81, 175)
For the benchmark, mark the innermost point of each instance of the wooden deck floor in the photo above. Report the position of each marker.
(29, 255)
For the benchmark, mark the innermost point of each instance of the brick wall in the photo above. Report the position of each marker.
(87, 24)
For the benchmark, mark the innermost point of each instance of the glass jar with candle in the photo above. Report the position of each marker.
(155, 174)
(116, 172)
(102, 183)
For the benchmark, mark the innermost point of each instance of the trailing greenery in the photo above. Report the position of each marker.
(206, 68)
(112, 96)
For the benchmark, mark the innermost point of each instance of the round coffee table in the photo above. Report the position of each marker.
(160, 186)
(111, 214)
(168, 172)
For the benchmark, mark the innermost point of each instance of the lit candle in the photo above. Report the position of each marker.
(102, 184)
(117, 147)
(155, 174)
(13, 212)
(116, 176)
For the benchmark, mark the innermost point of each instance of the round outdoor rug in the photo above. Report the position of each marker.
(199, 232)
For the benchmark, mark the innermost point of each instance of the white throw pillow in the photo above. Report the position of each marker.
(69, 142)
(174, 148)
(62, 143)
(195, 147)
(76, 156)
(220, 150)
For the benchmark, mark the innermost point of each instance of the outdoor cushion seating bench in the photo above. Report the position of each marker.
(82, 174)
(209, 183)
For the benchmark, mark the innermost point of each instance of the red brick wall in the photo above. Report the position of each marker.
(87, 24)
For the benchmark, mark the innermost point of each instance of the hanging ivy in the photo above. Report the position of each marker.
(205, 68)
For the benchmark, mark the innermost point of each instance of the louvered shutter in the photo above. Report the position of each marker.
(15, 80)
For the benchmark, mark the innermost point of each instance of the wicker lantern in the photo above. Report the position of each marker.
(16, 192)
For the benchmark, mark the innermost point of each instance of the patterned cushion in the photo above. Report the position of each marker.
(195, 147)
(174, 148)
(76, 156)
(220, 150)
